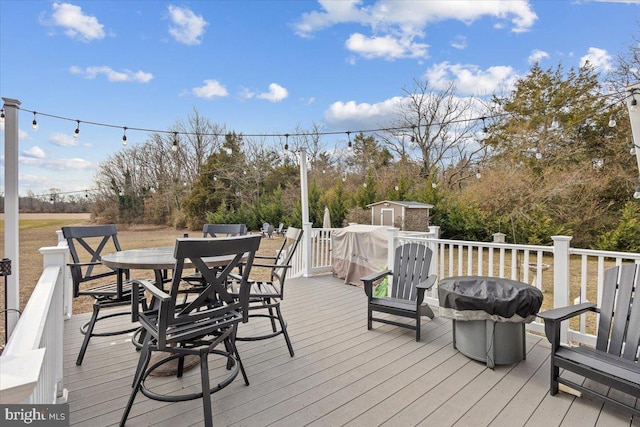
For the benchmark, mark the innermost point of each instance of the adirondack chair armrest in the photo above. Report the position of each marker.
(368, 281)
(424, 286)
(553, 318)
(148, 286)
(564, 313)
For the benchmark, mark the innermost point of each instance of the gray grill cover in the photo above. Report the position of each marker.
(480, 298)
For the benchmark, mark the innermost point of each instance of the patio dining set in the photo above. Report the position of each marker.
(191, 312)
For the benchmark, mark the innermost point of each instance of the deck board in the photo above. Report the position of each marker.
(341, 374)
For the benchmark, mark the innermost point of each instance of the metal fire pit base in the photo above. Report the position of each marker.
(501, 343)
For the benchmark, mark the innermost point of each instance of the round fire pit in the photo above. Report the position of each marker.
(489, 316)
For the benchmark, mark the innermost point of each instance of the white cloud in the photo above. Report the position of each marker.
(62, 140)
(470, 79)
(536, 56)
(599, 59)
(276, 93)
(397, 25)
(386, 47)
(363, 115)
(210, 89)
(34, 152)
(459, 42)
(112, 75)
(187, 27)
(77, 25)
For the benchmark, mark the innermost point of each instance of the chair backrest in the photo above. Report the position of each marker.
(213, 300)
(619, 325)
(292, 238)
(86, 246)
(411, 266)
(265, 227)
(224, 230)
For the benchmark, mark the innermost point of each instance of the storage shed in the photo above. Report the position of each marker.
(412, 216)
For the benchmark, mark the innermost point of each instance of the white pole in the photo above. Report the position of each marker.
(11, 241)
(306, 225)
(634, 117)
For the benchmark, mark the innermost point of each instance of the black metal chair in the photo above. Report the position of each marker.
(198, 326)
(410, 281)
(90, 277)
(224, 230)
(267, 294)
(614, 360)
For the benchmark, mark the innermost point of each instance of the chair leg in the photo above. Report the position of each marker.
(418, 328)
(206, 388)
(88, 333)
(143, 360)
(273, 322)
(369, 318)
(555, 371)
(145, 357)
(232, 345)
(283, 325)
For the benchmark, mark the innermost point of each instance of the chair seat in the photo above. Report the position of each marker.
(109, 291)
(258, 290)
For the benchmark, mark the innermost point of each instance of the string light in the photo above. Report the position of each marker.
(286, 142)
(636, 195)
(349, 145)
(478, 174)
(2, 115)
(34, 123)
(124, 136)
(77, 131)
(174, 147)
(485, 130)
(612, 121)
(554, 123)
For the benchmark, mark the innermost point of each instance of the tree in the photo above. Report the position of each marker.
(436, 127)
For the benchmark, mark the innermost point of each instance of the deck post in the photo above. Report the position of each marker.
(11, 223)
(391, 253)
(561, 277)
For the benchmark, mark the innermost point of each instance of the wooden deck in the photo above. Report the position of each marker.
(342, 374)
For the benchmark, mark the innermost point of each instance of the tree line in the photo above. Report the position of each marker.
(538, 161)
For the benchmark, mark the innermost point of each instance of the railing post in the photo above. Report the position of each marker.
(306, 249)
(561, 283)
(66, 277)
(57, 256)
(392, 236)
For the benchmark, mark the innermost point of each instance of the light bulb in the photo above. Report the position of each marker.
(633, 106)
(396, 188)
(554, 123)
(34, 123)
(364, 185)
(633, 150)
(124, 136)
(434, 185)
(77, 131)
(538, 155)
(478, 175)
(612, 121)
(174, 147)
(636, 195)
(2, 116)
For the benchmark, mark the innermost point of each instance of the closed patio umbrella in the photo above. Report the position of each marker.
(326, 220)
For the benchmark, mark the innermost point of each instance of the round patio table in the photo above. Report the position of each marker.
(160, 260)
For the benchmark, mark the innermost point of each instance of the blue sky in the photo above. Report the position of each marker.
(263, 67)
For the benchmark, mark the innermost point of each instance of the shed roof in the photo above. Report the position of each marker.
(409, 205)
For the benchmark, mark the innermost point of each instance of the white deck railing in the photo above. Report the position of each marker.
(31, 365)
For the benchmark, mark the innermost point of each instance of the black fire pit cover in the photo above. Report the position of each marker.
(500, 299)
